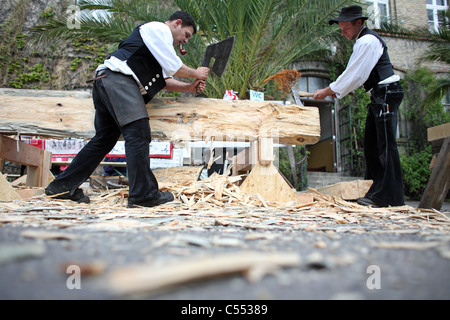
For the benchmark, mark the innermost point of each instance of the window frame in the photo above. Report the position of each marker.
(435, 8)
(375, 17)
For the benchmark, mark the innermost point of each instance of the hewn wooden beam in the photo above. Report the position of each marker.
(59, 114)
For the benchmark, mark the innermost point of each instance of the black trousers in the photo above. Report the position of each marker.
(143, 185)
(380, 147)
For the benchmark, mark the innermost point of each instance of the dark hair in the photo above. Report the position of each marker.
(187, 19)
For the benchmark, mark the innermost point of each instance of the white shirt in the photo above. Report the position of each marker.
(367, 50)
(158, 39)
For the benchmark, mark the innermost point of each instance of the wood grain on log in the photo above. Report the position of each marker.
(57, 114)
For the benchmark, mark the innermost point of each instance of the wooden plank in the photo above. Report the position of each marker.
(439, 182)
(71, 114)
(439, 132)
(20, 152)
(347, 190)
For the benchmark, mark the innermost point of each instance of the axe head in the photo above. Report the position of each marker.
(221, 52)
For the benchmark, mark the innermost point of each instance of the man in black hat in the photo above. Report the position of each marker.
(369, 66)
(144, 64)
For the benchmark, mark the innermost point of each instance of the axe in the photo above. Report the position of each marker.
(220, 52)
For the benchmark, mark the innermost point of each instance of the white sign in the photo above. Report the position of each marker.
(157, 149)
(256, 95)
(63, 149)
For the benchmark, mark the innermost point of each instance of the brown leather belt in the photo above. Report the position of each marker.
(96, 78)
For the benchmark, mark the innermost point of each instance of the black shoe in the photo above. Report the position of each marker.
(368, 202)
(75, 195)
(163, 197)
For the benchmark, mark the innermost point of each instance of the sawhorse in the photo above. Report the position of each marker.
(439, 182)
(38, 161)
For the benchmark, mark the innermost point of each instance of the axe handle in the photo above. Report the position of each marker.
(305, 94)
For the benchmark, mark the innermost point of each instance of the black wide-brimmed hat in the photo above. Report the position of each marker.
(349, 14)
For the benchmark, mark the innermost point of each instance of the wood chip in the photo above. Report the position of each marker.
(151, 279)
(407, 245)
(47, 235)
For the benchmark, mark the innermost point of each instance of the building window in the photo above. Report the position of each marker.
(436, 13)
(378, 13)
(311, 84)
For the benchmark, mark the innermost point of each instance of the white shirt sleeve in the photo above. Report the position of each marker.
(366, 53)
(158, 39)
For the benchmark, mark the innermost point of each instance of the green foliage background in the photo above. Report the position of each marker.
(421, 113)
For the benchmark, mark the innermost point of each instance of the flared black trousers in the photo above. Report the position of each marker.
(380, 146)
(143, 185)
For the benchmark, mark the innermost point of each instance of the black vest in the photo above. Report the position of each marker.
(147, 69)
(383, 69)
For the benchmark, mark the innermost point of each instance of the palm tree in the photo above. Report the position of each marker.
(270, 34)
(439, 51)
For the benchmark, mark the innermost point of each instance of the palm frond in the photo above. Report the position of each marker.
(109, 21)
(439, 48)
(438, 91)
(269, 35)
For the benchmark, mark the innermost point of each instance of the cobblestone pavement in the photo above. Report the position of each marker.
(325, 250)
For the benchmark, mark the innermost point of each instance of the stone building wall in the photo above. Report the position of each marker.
(33, 10)
(405, 53)
(409, 13)
(39, 65)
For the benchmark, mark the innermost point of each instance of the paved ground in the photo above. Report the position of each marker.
(314, 252)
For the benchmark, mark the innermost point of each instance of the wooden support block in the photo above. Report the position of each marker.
(439, 182)
(265, 148)
(265, 179)
(268, 182)
(246, 159)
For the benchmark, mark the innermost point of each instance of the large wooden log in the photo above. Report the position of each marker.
(56, 114)
(47, 113)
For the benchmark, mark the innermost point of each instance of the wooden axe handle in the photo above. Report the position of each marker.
(305, 94)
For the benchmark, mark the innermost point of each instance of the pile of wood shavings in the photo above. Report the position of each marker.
(218, 201)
